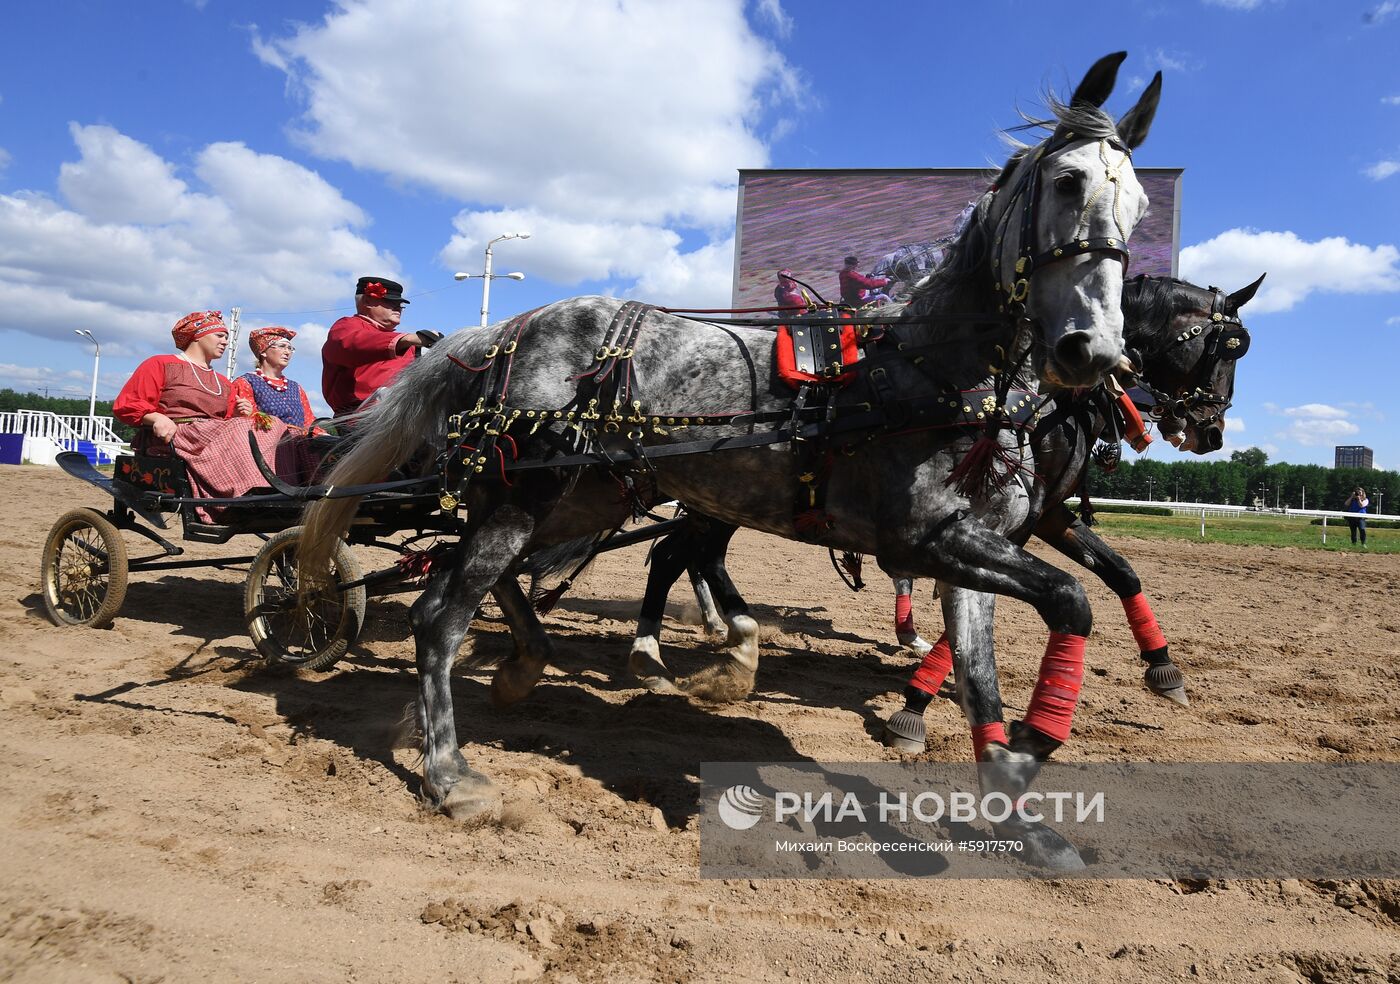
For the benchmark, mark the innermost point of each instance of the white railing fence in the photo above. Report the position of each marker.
(63, 430)
(1204, 509)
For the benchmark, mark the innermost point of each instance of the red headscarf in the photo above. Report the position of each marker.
(196, 325)
(259, 340)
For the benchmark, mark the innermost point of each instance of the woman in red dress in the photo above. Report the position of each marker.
(190, 406)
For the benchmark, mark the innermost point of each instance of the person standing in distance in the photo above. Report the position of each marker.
(365, 351)
(1357, 506)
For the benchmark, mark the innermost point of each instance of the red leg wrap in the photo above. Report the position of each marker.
(937, 664)
(1051, 709)
(1143, 623)
(904, 614)
(984, 734)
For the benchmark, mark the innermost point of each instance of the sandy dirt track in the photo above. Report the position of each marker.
(170, 812)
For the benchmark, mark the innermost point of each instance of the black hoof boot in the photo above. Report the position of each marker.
(905, 731)
(1164, 678)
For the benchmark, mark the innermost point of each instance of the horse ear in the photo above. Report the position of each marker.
(1243, 296)
(1133, 127)
(1098, 81)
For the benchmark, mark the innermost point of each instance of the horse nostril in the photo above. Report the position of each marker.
(1212, 438)
(1074, 350)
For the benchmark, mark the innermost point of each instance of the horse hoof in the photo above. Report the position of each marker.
(659, 685)
(1166, 680)
(513, 682)
(473, 801)
(721, 684)
(916, 644)
(1042, 847)
(905, 732)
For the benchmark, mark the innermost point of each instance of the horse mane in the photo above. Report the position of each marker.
(1151, 304)
(964, 281)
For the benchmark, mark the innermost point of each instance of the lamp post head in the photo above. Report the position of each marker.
(517, 275)
(460, 276)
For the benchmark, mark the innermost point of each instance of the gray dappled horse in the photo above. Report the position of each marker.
(1184, 339)
(1045, 254)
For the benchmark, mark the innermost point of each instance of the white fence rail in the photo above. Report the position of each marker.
(63, 430)
(1204, 509)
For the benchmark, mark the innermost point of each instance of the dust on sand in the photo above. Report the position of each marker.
(172, 813)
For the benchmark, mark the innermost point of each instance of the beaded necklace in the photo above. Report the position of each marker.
(218, 389)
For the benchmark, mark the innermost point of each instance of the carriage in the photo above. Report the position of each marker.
(86, 562)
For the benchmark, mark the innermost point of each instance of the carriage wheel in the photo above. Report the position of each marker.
(290, 633)
(83, 570)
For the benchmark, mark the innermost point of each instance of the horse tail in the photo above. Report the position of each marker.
(385, 436)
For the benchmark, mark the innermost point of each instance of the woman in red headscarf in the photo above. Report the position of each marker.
(267, 387)
(190, 407)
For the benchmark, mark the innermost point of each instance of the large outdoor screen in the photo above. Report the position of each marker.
(808, 221)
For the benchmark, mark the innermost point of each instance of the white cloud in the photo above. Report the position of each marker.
(137, 245)
(1391, 100)
(625, 112)
(1382, 12)
(1236, 4)
(1313, 424)
(1312, 433)
(1382, 170)
(611, 132)
(1296, 267)
(1234, 425)
(1316, 410)
(772, 10)
(119, 179)
(1393, 321)
(1172, 61)
(567, 252)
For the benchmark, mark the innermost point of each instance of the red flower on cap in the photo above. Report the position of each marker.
(375, 289)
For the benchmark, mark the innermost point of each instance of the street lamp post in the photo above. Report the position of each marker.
(96, 356)
(487, 276)
(1149, 487)
(1380, 503)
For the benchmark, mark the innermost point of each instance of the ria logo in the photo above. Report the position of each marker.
(740, 807)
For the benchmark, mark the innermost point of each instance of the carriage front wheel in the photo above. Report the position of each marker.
(301, 633)
(83, 570)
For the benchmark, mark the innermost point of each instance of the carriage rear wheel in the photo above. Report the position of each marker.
(83, 570)
(301, 633)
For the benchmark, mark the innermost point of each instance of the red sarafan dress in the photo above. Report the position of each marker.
(209, 438)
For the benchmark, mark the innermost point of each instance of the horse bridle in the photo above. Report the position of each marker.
(1226, 338)
(1028, 261)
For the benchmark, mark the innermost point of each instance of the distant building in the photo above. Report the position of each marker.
(1354, 456)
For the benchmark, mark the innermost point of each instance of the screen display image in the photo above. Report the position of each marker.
(894, 222)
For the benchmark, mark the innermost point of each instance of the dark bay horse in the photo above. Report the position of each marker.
(1185, 338)
(558, 423)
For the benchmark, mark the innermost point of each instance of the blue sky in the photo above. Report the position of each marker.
(161, 157)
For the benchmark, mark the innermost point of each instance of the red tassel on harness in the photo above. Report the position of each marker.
(813, 520)
(985, 469)
(1056, 693)
(545, 603)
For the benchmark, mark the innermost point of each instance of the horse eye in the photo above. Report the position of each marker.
(1067, 183)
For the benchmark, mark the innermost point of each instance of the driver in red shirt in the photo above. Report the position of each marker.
(365, 351)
